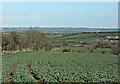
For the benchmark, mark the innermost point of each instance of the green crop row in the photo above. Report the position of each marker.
(62, 67)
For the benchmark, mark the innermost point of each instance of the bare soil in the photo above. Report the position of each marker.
(9, 77)
(33, 74)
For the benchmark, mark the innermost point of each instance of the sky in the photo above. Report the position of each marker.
(82, 14)
(59, 0)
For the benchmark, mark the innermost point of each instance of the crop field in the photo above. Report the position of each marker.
(48, 66)
(90, 38)
(83, 42)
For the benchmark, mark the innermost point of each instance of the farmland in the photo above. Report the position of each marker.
(83, 42)
(59, 42)
(83, 63)
(60, 67)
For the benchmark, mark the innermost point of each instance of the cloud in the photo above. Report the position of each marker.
(89, 16)
(25, 15)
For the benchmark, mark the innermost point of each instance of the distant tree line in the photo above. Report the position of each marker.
(28, 41)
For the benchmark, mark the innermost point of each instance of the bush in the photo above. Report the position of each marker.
(115, 50)
(66, 50)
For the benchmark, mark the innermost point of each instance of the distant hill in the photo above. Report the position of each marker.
(59, 29)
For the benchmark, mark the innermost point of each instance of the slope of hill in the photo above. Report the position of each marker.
(46, 66)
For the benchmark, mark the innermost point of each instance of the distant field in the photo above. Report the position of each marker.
(81, 42)
(89, 38)
(48, 66)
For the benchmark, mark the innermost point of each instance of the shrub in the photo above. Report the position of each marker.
(66, 50)
(115, 50)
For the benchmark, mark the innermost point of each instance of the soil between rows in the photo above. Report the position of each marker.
(9, 77)
(33, 74)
